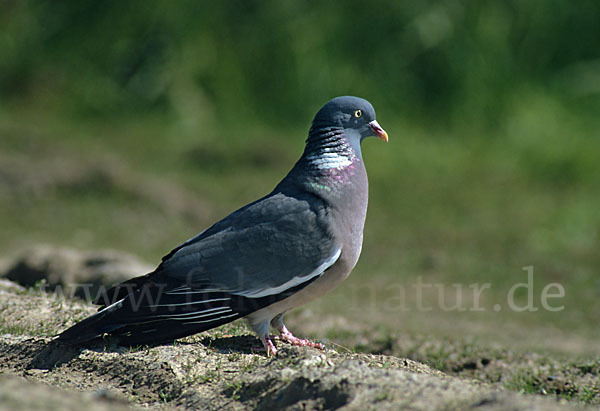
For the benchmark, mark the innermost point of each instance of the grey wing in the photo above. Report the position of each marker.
(263, 249)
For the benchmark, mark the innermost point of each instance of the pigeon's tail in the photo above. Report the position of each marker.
(160, 332)
(150, 333)
(151, 315)
(90, 328)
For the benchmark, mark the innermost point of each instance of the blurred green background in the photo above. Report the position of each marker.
(134, 125)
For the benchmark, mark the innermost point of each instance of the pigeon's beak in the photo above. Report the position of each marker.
(379, 132)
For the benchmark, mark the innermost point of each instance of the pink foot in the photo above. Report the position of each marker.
(268, 346)
(286, 335)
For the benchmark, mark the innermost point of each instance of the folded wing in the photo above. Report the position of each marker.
(256, 256)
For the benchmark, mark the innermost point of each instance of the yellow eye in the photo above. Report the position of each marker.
(357, 113)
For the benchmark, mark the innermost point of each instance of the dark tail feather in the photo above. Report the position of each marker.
(90, 328)
(150, 315)
(120, 291)
(150, 333)
(161, 332)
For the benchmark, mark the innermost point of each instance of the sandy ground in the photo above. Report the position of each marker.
(214, 370)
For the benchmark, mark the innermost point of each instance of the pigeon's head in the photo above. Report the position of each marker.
(355, 115)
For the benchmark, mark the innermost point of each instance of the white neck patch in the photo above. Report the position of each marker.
(326, 160)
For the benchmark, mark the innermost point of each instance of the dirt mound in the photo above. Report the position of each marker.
(73, 272)
(19, 393)
(216, 369)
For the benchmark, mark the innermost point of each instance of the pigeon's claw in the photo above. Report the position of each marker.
(286, 335)
(268, 346)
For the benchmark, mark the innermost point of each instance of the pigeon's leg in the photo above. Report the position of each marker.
(286, 335)
(262, 330)
(269, 347)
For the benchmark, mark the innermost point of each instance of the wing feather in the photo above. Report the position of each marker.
(263, 249)
(256, 256)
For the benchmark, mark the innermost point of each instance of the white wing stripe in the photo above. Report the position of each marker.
(188, 303)
(196, 314)
(211, 320)
(264, 291)
(180, 288)
(180, 292)
(117, 304)
(204, 315)
(157, 319)
(209, 311)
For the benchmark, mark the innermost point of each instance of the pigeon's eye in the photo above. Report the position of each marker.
(357, 113)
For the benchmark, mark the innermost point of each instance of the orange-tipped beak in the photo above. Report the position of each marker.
(379, 132)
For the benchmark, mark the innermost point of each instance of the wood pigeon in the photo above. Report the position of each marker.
(291, 246)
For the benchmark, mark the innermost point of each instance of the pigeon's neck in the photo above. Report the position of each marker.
(330, 167)
(327, 148)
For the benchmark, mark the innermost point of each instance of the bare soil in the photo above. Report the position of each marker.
(220, 370)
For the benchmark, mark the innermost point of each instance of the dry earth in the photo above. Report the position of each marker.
(213, 370)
